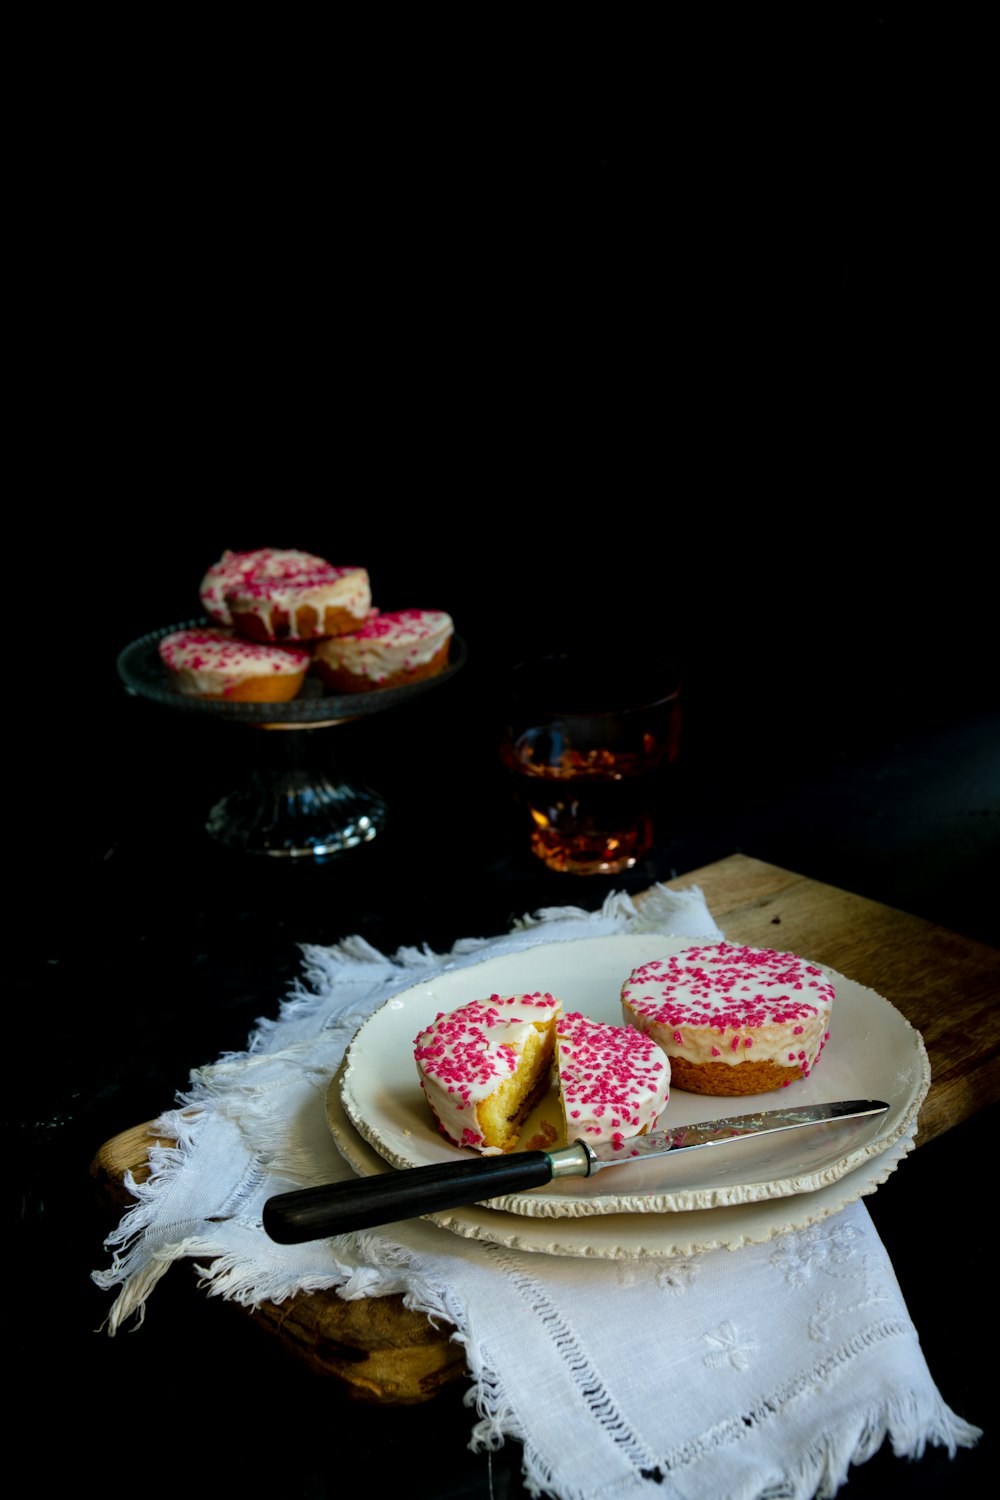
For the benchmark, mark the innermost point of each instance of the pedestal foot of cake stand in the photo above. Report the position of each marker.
(293, 814)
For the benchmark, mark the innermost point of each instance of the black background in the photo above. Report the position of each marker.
(587, 334)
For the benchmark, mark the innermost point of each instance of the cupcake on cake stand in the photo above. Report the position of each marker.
(286, 807)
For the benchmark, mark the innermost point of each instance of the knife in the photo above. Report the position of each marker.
(315, 1213)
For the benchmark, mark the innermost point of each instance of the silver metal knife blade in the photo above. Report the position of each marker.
(360, 1203)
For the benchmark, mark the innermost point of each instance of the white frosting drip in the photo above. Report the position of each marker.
(235, 567)
(346, 589)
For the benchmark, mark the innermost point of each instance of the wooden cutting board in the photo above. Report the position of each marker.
(946, 985)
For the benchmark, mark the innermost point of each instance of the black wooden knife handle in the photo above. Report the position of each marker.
(336, 1207)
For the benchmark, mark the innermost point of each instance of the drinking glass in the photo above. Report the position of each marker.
(587, 742)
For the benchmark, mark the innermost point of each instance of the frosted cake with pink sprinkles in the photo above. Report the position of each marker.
(300, 604)
(484, 1067)
(614, 1081)
(211, 662)
(732, 1019)
(236, 568)
(390, 649)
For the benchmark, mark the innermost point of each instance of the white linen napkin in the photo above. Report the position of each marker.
(765, 1370)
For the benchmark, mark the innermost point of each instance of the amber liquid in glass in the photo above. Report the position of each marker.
(590, 809)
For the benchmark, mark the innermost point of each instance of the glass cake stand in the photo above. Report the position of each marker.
(286, 808)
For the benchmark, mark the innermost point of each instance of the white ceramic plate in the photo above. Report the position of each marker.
(627, 1236)
(873, 1053)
